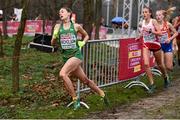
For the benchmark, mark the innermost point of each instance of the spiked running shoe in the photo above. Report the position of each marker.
(166, 82)
(152, 88)
(105, 100)
(76, 104)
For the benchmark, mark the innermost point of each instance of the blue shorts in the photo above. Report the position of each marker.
(166, 47)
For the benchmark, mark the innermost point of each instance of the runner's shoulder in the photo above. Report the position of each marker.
(77, 26)
(57, 25)
(154, 20)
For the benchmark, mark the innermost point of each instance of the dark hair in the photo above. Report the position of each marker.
(68, 10)
(150, 10)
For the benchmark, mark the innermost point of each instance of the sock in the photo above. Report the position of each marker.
(102, 94)
(74, 98)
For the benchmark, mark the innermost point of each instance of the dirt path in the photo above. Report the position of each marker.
(165, 104)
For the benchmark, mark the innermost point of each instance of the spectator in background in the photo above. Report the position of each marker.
(1, 15)
(176, 24)
(102, 22)
(39, 17)
(14, 17)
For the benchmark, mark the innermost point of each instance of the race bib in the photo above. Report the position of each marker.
(149, 37)
(163, 38)
(68, 41)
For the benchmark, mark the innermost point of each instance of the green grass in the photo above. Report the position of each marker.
(32, 62)
(40, 88)
(116, 93)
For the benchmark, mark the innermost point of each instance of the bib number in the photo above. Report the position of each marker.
(163, 38)
(68, 41)
(149, 38)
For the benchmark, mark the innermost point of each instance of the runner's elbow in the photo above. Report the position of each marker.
(52, 42)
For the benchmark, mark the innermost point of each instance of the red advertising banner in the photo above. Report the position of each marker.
(12, 27)
(130, 64)
(32, 27)
(48, 27)
(1, 26)
(131, 59)
(36, 26)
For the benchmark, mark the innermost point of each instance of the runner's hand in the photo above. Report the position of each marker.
(81, 44)
(168, 41)
(137, 38)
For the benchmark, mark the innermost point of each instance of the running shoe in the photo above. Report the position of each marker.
(76, 104)
(174, 62)
(105, 100)
(166, 82)
(178, 62)
(151, 88)
(170, 76)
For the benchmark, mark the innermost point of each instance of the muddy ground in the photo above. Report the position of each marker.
(161, 105)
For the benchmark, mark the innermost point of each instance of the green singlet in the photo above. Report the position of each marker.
(68, 42)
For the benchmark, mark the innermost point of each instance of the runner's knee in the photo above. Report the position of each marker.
(62, 75)
(169, 67)
(86, 81)
(146, 65)
(162, 67)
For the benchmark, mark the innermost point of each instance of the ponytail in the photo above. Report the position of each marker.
(167, 13)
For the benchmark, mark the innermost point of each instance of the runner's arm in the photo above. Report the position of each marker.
(55, 35)
(140, 34)
(157, 30)
(175, 33)
(176, 22)
(83, 32)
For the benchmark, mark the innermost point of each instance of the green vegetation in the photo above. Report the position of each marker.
(42, 93)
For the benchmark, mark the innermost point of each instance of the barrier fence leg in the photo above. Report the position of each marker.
(137, 82)
(78, 95)
(156, 71)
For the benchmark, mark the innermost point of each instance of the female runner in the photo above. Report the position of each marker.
(66, 34)
(150, 30)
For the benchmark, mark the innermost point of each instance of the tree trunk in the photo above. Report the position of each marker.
(88, 16)
(98, 14)
(54, 13)
(170, 3)
(5, 5)
(87, 25)
(1, 44)
(17, 48)
(68, 3)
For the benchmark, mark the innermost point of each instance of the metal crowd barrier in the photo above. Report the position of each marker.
(101, 58)
(101, 64)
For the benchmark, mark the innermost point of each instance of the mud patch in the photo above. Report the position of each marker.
(165, 104)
